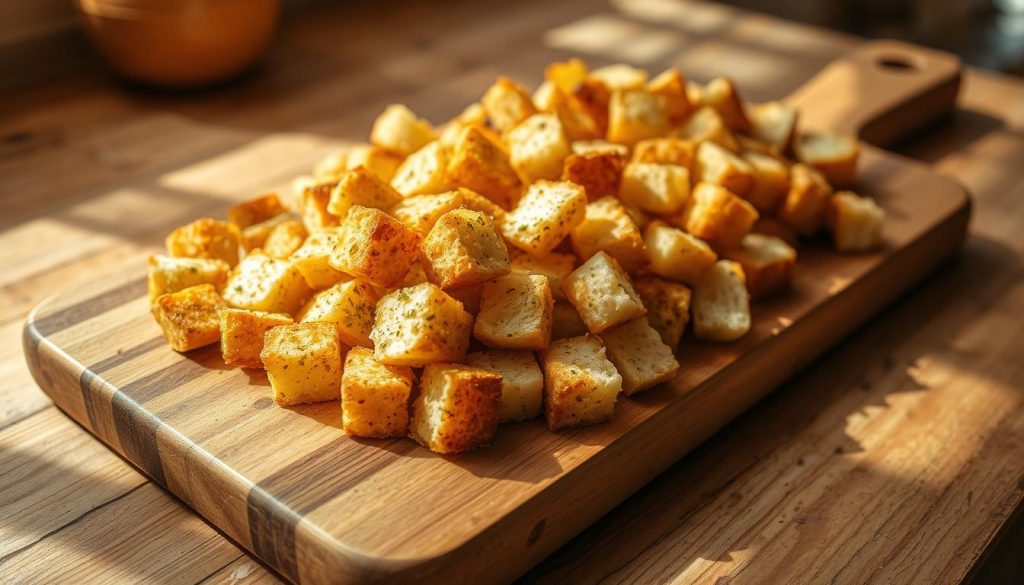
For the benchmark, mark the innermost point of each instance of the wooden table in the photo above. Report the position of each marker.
(899, 456)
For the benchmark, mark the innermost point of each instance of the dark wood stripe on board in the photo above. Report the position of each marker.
(47, 325)
(92, 397)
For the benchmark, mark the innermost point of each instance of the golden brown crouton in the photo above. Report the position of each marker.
(418, 325)
(423, 172)
(721, 94)
(855, 222)
(303, 363)
(361, 187)
(458, 408)
(464, 249)
(620, 76)
(375, 247)
(312, 259)
(636, 115)
(421, 212)
(374, 396)
(375, 159)
(515, 312)
(556, 267)
(256, 210)
(602, 293)
(639, 355)
(477, 163)
(608, 226)
(671, 85)
(677, 255)
(832, 155)
(661, 189)
(522, 383)
(350, 306)
(285, 238)
(477, 202)
(771, 181)
(580, 384)
(242, 334)
(767, 264)
(313, 206)
(205, 238)
(398, 130)
(169, 275)
(774, 123)
(672, 151)
(599, 147)
(263, 283)
(255, 235)
(803, 209)
(719, 216)
(668, 307)
(469, 296)
(544, 216)
(537, 147)
(706, 124)
(189, 318)
(578, 110)
(721, 305)
(599, 173)
(719, 166)
(507, 103)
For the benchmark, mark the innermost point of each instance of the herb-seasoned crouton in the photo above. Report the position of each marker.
(350, 306)
(580, 111)
(655, 188)
(580, 384)
(599, 173)
(477, 202)
(254, 211)
(774, 123)
(832, 155)
(677, 255)
(767, 264)
(375, 247)
(855, 222)
(515, 312)
(313, 207)
(374, 396)
(474, 115)
(636, 115)
(399, 130)
(721, 167)
(522, 384)
(599, 147)
(672, 151)
(189, 318)
(507, 103)
(263, 283)
(303, 363)
(421, 212)
(169, 275)
(620, 76)
(545, 216)
(418, 325)
(608, 226)
(242, 334)
(671, 85)
(423, 172)
(721, 94)
(205, 238)
(255, 235)
(721, 305)
(375, 159)
(361, 187)
(706, 124)
(771, 181)
(477, 163)
(602, 293)
(639, 355)
(556, 267)
(312, 259)
(803, 209)
(566, 322)
(537, 147)
(458, 408)
(718, 216)
(285, 238)
(668, 307)
(464, 249)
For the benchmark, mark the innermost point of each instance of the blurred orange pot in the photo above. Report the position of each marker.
(179, 43)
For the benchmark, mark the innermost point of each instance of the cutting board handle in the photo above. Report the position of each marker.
(881, 91)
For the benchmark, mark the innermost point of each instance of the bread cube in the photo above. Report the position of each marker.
(677, 255)
(256, 210)
(803, 209)
(544, 216)
(608, 226)
(423, 172)
(620, 76)
(522, 383)
(255, 235)
(721, 94)
(599, 173)
(474, 115)
(668, 307)
(774, 123)
(349, 305)
(312, 259)
(661, 189)
(566, 75)
(419, 325)
(421, 212)
(458, 408)
(361, 187)
(718, 216)
(671, 151)
(640, 356)
(477, 163)
(855, 222)
(375, 247)
(398, 130)
(599, 147)
(671, 85)
(635, 115)
(767, 263)
(303, 363)
(374, 396)
(507, 103)
(581, 115)
(242, 334)
(602, 293)
(375, 159)
(469, 297)
(189, 318)
(707, 125)
(477, 202)
(263, 283)
(832, 155)
(721, 304)
(580, 384)
(313, 206)
(566, 322)
(771, 181)
(464, 249)
(556, 267)
(537, 147)
(205, 238)
(285, 238)
(719, 166)
(169, 275)
(515, 312)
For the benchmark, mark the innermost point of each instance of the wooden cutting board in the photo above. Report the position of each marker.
(319, 507)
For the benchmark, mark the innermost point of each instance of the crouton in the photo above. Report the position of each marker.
(422, 172)
(599, 173)
(580, 384)
(255, 235)
(374, 396)
(855, 222)
(620, 76)
(599, 147)
(706, 124)
(469, 296)
(803, 209)
(556, 267)
(608, 226)
(256, 210)
(421, 212)
(303, 363)
(537, 147)
(507, 103)
(242, 334)
(375, 159)
(832, 155)
(458, 408)
(398, 130)
(189, 318)
(312, 259)
(361, 187)
(515, 312)
(477, 202)
(580, 112)
(474, 115)
(349, 305)
(544, 216)
(566, 322)
(721, 94)
(602, 293)
(671, 85)
(464, 249)
(771, 181)
(718, 216)
(285, 238)
(767, 264)
(774, 123)
(169, 275)
(677, 255)
(673, 151)
(640, 356)
(416, 274)
(375, 247)
(662, 189)
(668, 307)
(205, 238)
(477, 163)
(418, 325)
(291, 199)
(719, 166)
(566, 75)
(263, 283)
(522, 383)
(313, 207)
(636, 115)
(721, 305)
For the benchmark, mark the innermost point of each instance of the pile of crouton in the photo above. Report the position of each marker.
(537, 255)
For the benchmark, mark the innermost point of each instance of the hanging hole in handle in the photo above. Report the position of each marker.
(897, 64)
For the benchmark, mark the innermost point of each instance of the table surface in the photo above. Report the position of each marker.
(898, 456)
